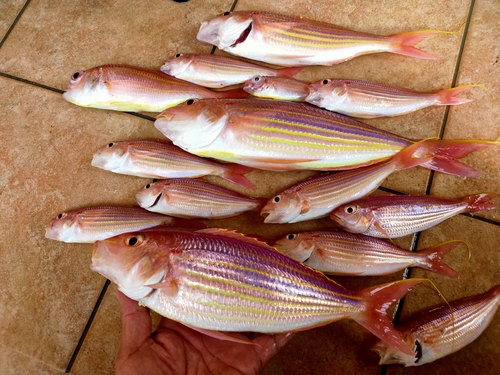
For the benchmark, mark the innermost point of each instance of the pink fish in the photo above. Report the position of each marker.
(218, 280)
(394, 216)
(280, 88)
(161, 159)
(298, 41)
(346, 254)
(217, 71)
(192, 198)
(369, 99)
(128, 88)
(442, 330)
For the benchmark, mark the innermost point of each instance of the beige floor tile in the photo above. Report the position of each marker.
(9, 9)
(478, 119)
(482, 274)
(74, 36)
(14, 363)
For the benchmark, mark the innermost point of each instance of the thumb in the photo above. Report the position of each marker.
(136, 324)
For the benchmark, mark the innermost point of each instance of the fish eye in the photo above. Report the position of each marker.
(291, 236)
(134, 240)
(178, 55)
(276, 199)
(61, 215)
(326, 81)
(111, 144)
(256, 79)
(190, 101)
(155, 180)
(350, 209)
(227, 13)
(75, 75)
(148, 186)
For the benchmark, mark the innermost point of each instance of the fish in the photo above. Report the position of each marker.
(89, 224)
(280, 88)
(340, 253)
(280, 135)
(298, 41)
(133, 89)
(392, 216)
(443, 330)
(318, 195)
(161, 159)
(192, 198)
(217, 71)
(219, 280)
(366, 99)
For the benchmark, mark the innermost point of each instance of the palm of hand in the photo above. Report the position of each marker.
(176, 349)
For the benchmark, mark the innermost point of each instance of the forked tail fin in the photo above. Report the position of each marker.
(434, 258)
(403, 44)
(479, 202)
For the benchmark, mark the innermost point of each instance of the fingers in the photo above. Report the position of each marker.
(270, 345)
(136, 324)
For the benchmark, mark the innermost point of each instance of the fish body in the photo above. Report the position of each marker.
(220, 280)
(346, 254)
(89, 224)
(443, 330)
(280, 88)
(161, 159)
(299, 41)
(394, 216)
(366, 99)
(192, 198)
(281, 135)
(128, 88)
(217, 71)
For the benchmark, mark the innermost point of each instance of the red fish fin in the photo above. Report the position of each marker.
(222, 336)
(235, 173)
(381, 229)
(435, 255)
(305, 206)
(169, 287)
(233, 94)
(449, 96)
(236, 236)
(445, 152)
(374, 318)
(479, 202)
(290, 72)
(403, 44)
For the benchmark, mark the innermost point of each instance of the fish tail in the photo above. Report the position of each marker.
(408, 157)
(479, 202)
(232, 94)
(235, 173)
(403, 44)
(290, 72)
(434, 258)
(449, 96)
(375, 318)
(446, 152)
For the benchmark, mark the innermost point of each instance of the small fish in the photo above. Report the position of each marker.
(219, 280)
(346, 254)
(298, 41)
(127, 88)
(161, 159)
(317, 196)
(392, 216)
(442, 330)
(191, 198)
(280, 88)
(369, 99)
(217, 71)
(89, 224)
(280, 135)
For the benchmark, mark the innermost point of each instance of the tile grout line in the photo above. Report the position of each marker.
(416, 237)
(87, 326)
(14, 23)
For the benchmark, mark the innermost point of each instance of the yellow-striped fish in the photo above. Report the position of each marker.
(298, 41)
(219, 280)
(280, 88)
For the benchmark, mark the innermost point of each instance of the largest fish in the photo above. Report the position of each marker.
(278, 135)
(298, 41)
(220, 280)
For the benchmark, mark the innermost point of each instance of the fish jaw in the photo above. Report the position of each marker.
(176, 65)
(296, 246)
(63, 228)
(282, 208)
(352, 218)
(225, 30)
(149, 196)
(325, 94)
(111, 157)
(88, 89)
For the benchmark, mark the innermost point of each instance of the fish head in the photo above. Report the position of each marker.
(352, 217)
(193, 124)
(110, 157)
(63, 228)
(298, 246)
(283, 208)
(150, 195)
(226, 30)
(327, 90)
(132, 261)
(257, 83)
(177, 64)
(87, 87)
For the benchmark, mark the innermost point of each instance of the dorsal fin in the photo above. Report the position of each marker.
(236, 236)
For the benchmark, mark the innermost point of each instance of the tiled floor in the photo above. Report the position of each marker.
(52, 318)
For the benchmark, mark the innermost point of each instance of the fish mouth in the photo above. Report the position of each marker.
(312, 97)
(158, 197)
(270, 217)
(243, 36)
(166, 69)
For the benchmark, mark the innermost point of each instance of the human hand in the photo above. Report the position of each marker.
(176, 349)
